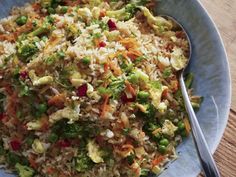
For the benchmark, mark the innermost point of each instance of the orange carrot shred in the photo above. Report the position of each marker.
(104, 105)
(158, 160)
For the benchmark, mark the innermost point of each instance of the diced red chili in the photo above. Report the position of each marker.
(112, 25)
(15, 145)
(64, 143)
(125, 99)
(2, 116)
(82, 90)
(23, 74)
(102, 44)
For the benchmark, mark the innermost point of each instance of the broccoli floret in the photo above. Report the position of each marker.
(24, 171)
(26, 47)
(125, 13)
(83, 162)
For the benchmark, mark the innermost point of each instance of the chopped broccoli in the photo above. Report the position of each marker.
(83, 162)
(125, 13)
(24, 171)
(26, 47)
(78, 129)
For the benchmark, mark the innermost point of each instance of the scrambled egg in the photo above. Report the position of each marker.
(94, 153)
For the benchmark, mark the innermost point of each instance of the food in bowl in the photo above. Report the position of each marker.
(90, 88)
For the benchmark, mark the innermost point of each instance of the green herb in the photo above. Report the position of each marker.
(97, 35)
(139, 59)
(23, 89)
(143, 96)
(53, 137)
(156, 84)
(21, 20)
(83, 162)
(12, 158)
(144, 172)
(130, 159)
(126, 131)
(167, 72)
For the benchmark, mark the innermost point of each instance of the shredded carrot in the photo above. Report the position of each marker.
(50, 170)
(129, 88)
(133, 54)
(157, 160)
(106, 67)
(104, 105)
(8, 37)
(36, 6)
(187, 125)
(57, 100)
(116, 69)
(32, 162)
(129, 43)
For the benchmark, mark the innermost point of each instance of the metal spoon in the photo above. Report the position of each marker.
(208, 164)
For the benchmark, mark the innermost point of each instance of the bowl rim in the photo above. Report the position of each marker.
(228, 71)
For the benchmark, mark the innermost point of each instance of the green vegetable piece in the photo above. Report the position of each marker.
(71, 130)
(125, 13)
(42, 108)
(21, 20)
(164, 142)
(86, 60)
(29, 140)
(167, 72)
(144, 172)
(45, 3)
(24, 171)
(61, 55)
(183, 133)
(126, 131)
(189, 80)
(143, 96)
(51, 10)
(63, 9)
(130, 159)
(83, 162)
(12, 158)
(181, 126)
(162, 149)
(53, 138)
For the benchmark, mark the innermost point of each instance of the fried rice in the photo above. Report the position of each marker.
(90, 88)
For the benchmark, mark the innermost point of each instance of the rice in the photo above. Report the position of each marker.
(90, 90)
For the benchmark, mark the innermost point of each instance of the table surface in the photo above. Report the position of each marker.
(223, 13)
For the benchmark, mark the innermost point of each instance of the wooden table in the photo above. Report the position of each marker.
(223, 13)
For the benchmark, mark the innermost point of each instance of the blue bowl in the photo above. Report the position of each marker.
(212, 79)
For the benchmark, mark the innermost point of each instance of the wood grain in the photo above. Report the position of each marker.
(223, 13)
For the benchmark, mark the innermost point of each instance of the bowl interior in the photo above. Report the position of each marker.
(212, 80)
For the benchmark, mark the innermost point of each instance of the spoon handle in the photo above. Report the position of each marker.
(205, 157)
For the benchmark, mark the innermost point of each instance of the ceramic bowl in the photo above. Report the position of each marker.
(212, 79)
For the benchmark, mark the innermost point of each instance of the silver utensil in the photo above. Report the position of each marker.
(208, 164)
